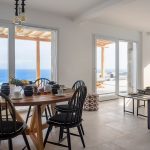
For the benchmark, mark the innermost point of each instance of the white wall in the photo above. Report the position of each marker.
(75, 44)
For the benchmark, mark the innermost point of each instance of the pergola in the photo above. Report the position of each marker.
(32, 34)
(102, 44)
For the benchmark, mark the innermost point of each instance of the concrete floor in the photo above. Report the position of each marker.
(106, 129)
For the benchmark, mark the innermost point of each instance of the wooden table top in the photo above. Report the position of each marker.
(42, 99)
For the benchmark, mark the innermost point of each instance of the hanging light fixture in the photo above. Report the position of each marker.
(20, 17)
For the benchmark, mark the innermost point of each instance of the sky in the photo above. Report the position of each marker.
(25, 54)
(109, 55)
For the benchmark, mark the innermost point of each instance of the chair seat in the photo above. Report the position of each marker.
(7, 129)
(63, 107)
(62, 119)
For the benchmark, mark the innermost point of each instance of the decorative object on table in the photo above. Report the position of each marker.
(35, 90)
(52, 82)
(28, 90)
(18, 82)
(47, 88)
(60, 91)
(91, 102)
(5, 89)
(20, 17)
(55, 88)
(41, 90)
(141, 91)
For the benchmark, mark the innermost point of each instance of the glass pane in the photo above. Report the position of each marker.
(45, 59)
(106, 67)
(3, 55)
(25, 57)
(123, 66)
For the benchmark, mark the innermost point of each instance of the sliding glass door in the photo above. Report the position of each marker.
(115, 62)
(106, 68)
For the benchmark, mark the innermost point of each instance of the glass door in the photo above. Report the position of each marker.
(115, 71)
(105, 67)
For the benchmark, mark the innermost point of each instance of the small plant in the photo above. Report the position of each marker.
(18, 82)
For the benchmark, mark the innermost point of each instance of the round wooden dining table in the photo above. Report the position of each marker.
(39, 102)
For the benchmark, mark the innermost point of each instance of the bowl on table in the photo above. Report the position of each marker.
(28, 91)
(55, 88)
(5, 89)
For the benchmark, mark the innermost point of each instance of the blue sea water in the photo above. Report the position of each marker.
(24, 75)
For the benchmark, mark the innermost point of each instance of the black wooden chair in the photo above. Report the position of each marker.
(58, 108)
(9, 126)
(41, 82)
(69, 118)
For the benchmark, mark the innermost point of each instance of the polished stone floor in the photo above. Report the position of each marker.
(106, 129)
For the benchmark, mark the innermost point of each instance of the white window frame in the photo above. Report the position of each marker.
(11, 49)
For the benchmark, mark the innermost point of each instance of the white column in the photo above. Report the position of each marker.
(54, 61)
(11, 51)
(130, 67)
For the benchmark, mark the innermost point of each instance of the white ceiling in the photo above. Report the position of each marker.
(67, 8)
(127, 13)
(134, 14)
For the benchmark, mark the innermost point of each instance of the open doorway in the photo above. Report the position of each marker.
(115, 67)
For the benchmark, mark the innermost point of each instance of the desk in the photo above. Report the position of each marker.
(139, 97)
(39, 102)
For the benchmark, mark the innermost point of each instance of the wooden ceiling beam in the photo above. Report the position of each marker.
(26, 38)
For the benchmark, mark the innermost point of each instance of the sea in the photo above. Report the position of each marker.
(24, 74)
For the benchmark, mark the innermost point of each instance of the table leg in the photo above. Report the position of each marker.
(39, 128)
(137, 107)
(124, 104)
(36, 128)
(148, 118)
(133, 106)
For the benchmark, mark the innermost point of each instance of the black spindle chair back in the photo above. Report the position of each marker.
(41, 82)
(9, 126)
(77, 84)
(76, 105)
(7, 113)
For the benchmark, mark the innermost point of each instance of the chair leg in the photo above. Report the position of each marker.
(46, 114)
(29, 110)
(10, 144)
(81, 136)
(47, 134)
(61, 133)
(26, 141)
(68, 139)
(49, 111)
(82, 129)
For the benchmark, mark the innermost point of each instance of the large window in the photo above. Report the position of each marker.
(33, 54)
(26, 53)
(3, 55)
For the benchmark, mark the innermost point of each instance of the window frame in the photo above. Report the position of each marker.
(11, 49)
